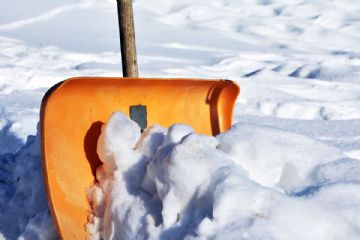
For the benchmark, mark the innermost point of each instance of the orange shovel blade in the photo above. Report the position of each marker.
(73, 112)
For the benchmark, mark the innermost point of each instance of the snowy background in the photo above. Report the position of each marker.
(297, 62)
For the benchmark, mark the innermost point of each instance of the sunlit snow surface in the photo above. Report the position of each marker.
(251, 182)
(298, 65)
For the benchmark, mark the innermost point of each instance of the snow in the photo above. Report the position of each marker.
(298, 131)
(202, 187)
(24, 211)
(275, 157)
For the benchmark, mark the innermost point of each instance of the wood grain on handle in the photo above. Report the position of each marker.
(127, 38)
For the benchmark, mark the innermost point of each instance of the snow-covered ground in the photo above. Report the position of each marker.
(298, 64)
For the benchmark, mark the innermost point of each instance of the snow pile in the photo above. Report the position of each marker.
(272, 159)
(176, 184)
(298, 64)
(23, 203)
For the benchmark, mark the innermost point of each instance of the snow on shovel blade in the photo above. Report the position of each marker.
(73, 112)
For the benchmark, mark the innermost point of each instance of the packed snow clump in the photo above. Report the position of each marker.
(251, 182)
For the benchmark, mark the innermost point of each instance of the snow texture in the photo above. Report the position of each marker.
(24, 211)
(176, 184)
(298, 132)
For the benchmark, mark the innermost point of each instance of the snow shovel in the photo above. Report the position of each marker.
(74, 110)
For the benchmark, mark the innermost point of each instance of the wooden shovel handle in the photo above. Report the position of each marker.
(127, 38)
